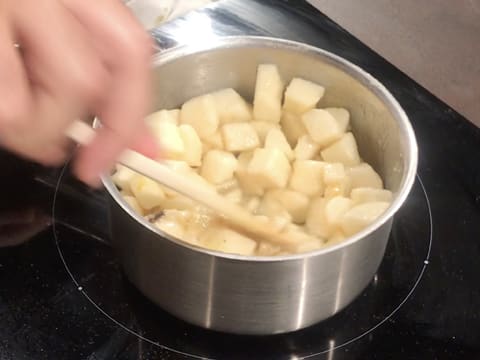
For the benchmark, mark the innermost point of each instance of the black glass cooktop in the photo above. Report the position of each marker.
(63, 294)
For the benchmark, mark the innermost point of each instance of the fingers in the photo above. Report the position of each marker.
(126, 49)
(14, 87)
(59, 57)
(66, 78)
(79, 58)
(18, 105)
(94, 157)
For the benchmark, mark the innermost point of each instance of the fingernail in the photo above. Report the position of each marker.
(95, 182)
(91, 179)
(147, 145)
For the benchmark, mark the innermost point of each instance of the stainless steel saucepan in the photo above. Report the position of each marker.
(266, 295)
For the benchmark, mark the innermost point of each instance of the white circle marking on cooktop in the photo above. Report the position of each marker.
(330, 348)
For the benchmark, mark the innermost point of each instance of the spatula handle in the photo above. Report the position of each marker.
(238, 216)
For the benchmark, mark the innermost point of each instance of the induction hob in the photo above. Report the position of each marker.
(63, 294)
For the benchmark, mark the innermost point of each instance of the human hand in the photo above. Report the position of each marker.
(76, 58)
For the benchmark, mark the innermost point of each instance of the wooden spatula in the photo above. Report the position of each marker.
(234, 215)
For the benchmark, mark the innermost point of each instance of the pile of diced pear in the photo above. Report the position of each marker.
(284, 159)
